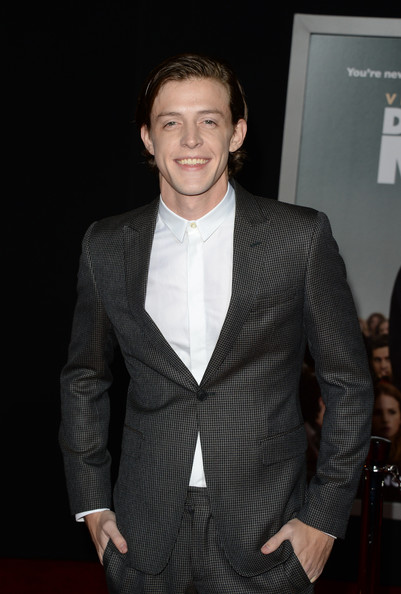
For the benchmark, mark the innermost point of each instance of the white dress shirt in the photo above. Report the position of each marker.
(189, 287)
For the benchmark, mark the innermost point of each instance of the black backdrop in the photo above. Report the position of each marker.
(73, 71)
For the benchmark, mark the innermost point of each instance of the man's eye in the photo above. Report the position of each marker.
(170, 124)
(210, 122)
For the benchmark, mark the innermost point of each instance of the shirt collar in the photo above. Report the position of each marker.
(207, 224)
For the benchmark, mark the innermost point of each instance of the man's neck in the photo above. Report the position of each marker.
(192, 208)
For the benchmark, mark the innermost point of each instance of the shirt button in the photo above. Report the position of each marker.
(193, 225)
(201, 395)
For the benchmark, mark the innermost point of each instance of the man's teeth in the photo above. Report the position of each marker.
(192, 161)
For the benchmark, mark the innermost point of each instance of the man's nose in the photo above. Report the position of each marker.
(191, 136)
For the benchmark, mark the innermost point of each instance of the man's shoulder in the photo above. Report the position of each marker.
(134, 218)
(273, 209)
(285, 209)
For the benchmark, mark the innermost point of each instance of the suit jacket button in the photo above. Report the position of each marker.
(201, 394)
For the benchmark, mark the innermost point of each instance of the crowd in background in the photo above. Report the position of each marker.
(382, 336)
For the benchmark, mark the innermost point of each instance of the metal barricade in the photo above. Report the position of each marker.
(375, 472)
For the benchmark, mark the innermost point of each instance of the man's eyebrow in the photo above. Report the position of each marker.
(168, 114)
(200, 112)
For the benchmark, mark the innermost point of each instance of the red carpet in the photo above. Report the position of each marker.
(32, 576)
(37, 576)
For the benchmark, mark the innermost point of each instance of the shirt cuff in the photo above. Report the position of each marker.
(80, 517)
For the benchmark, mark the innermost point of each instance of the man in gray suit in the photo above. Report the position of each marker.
(212, 295)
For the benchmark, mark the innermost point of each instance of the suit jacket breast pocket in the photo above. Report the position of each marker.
(272, 311)
(274, 299)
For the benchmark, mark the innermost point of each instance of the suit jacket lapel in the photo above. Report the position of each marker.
(138, 239)
(250, 239)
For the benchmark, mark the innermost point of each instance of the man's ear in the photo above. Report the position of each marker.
(146, 139)
(238, 137)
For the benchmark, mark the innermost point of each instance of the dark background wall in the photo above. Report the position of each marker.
(73, 71)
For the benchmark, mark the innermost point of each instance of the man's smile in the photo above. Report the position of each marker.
(192, 161)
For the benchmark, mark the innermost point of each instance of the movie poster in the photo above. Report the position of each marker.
(350, 156)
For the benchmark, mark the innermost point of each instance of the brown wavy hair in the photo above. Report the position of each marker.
(191, 66)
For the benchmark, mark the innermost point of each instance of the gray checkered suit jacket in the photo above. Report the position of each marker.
(289, 288)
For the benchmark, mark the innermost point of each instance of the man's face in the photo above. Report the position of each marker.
(381, 362)
(190, 136)
(386, 416)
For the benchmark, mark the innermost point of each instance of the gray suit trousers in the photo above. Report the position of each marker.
(198, 564)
